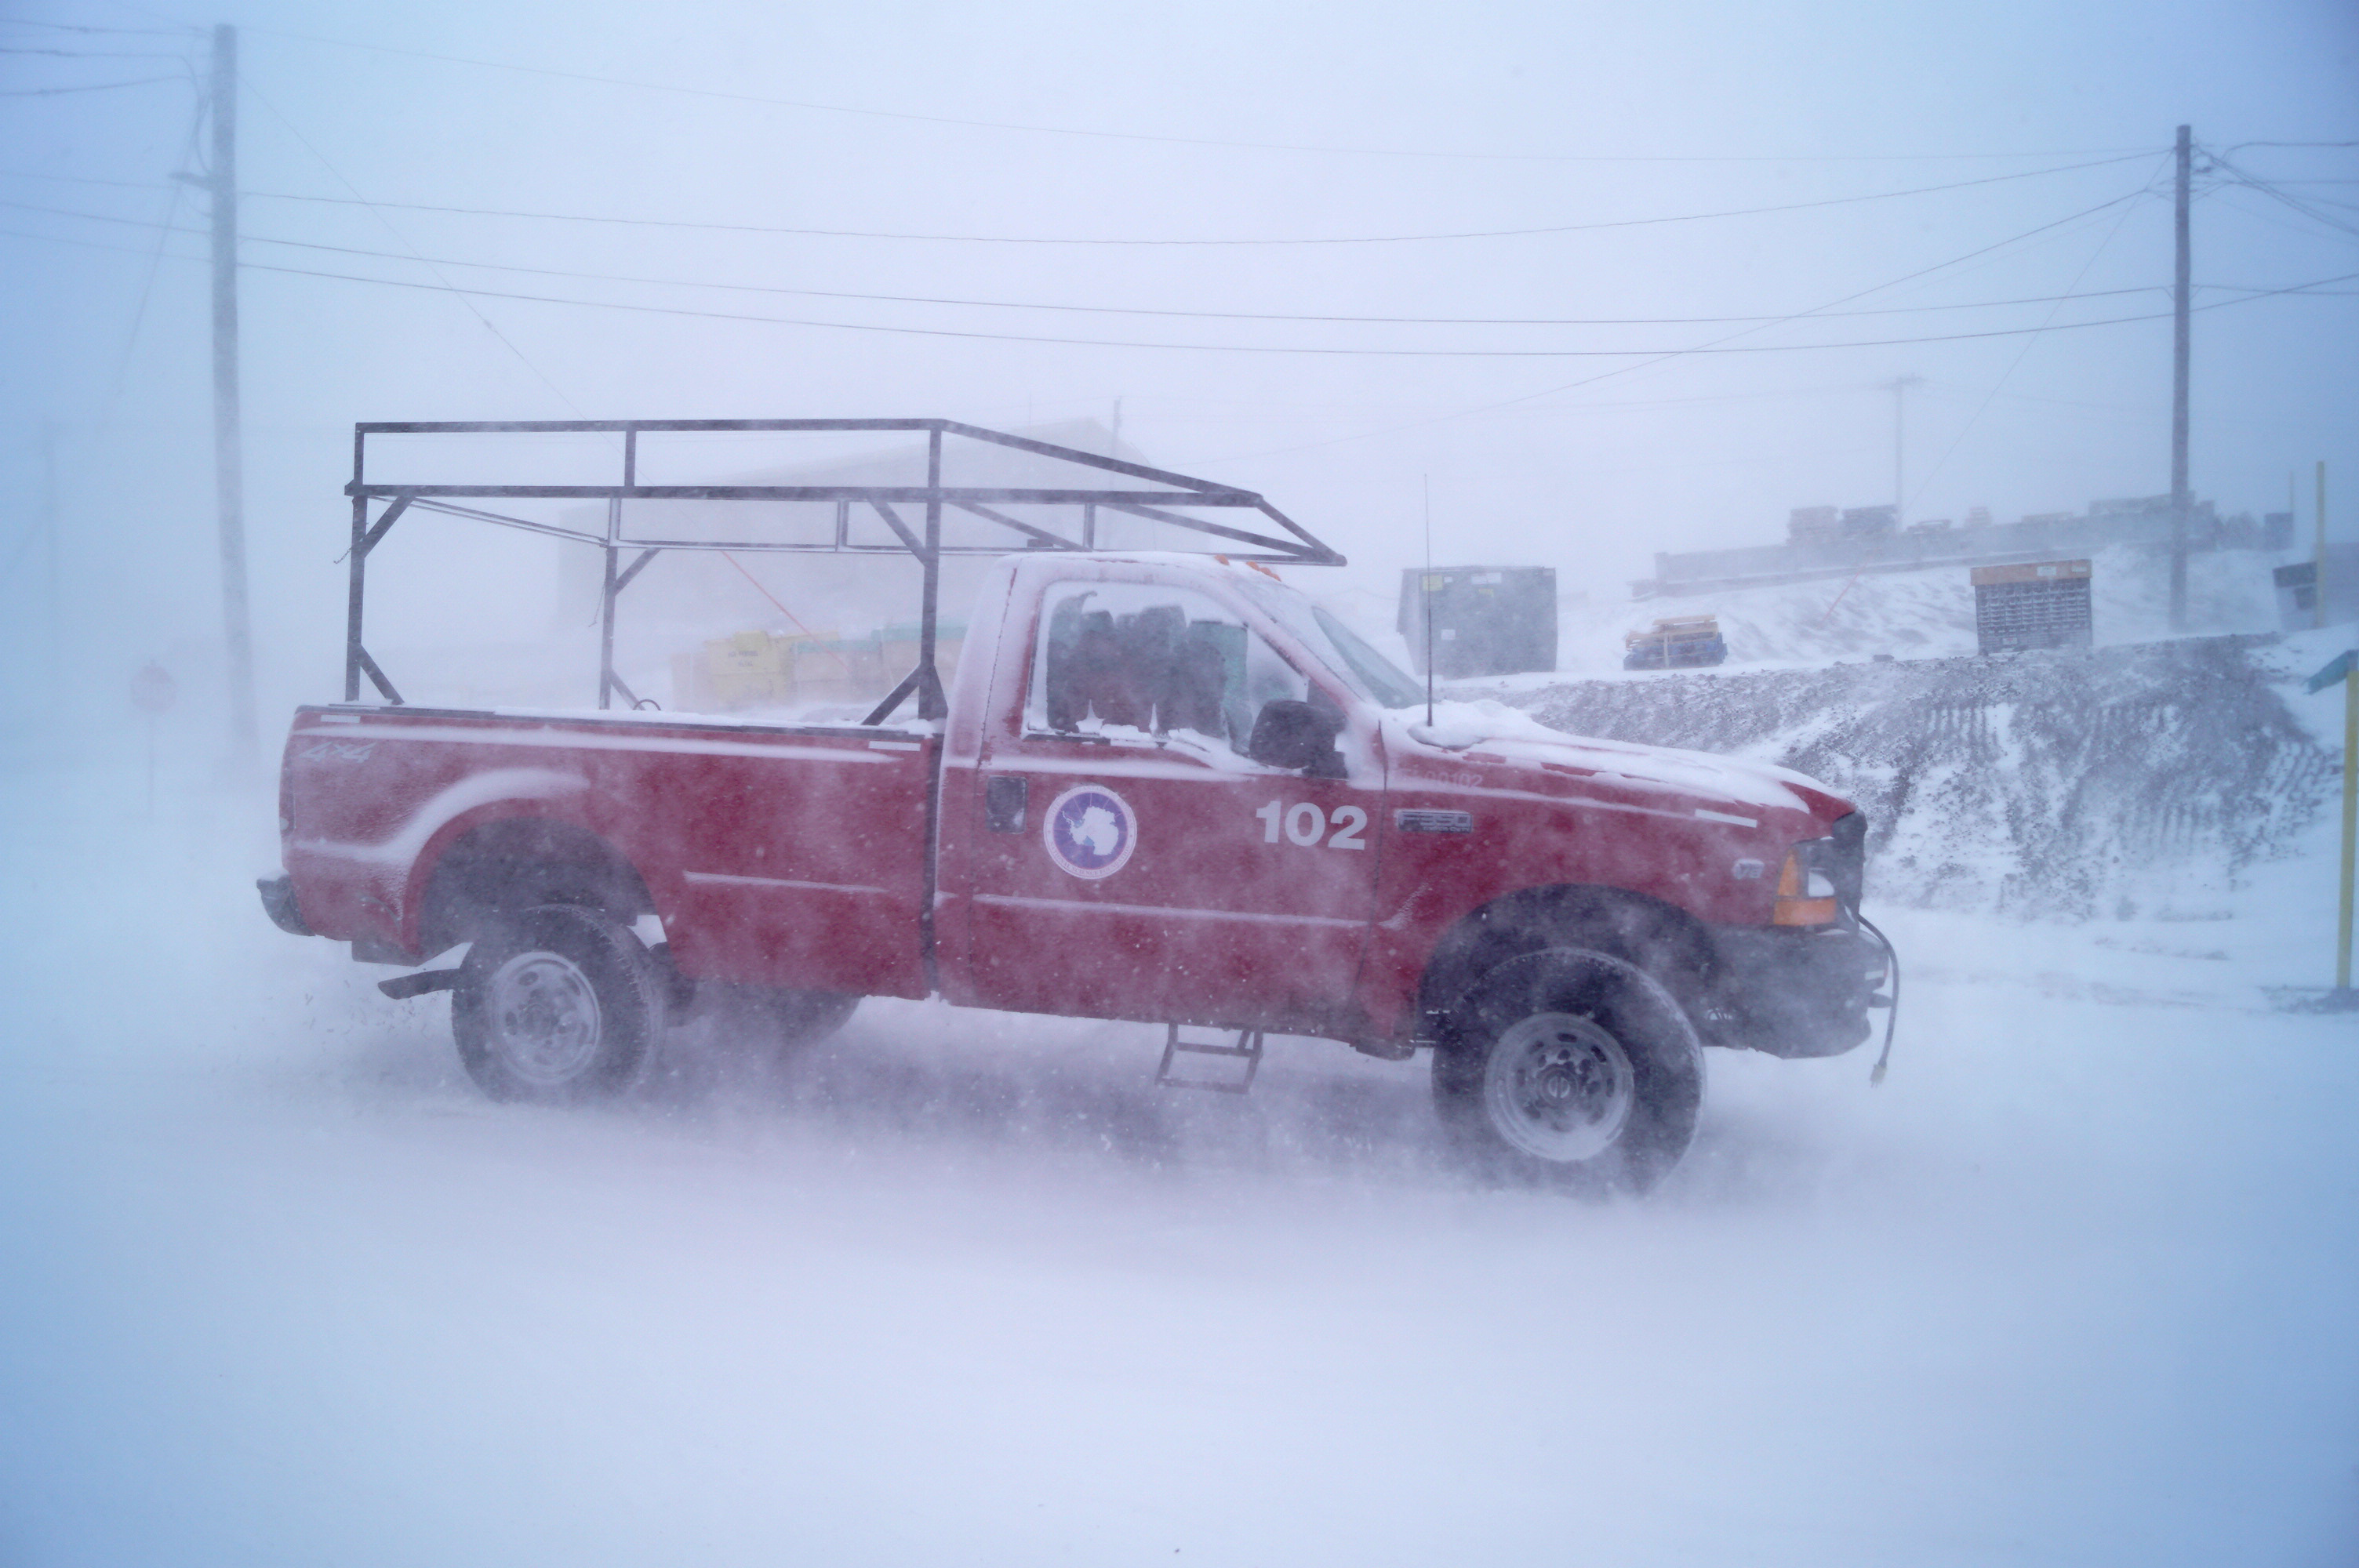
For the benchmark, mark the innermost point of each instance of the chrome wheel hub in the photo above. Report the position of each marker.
(1558, 1087)
(544, 1015)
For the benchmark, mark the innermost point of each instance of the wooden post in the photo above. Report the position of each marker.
(229, 479)
(2179, 498)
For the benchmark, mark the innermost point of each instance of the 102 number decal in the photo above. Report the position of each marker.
(1305, 824)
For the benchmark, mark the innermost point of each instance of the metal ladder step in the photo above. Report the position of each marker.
(1247, 1048)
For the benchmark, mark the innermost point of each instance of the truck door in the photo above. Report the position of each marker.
(1130, 861)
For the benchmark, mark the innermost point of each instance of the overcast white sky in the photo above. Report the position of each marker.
(1039, 122)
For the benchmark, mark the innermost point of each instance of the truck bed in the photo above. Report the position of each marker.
(781, 855)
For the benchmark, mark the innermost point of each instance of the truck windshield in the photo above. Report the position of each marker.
(1343, 649)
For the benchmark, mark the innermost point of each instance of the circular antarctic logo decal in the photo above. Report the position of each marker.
(1090, 831)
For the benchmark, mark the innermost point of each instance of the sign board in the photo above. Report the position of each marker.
(2036, 604)
(153, 689)
(2337, 668)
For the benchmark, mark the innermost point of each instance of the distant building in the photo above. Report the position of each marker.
(1831, 542)
(1807, 524)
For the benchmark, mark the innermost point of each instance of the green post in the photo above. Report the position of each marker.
(2350, 822)
(2344, 668)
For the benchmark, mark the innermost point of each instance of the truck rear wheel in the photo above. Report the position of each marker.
(555, 1003)
(1571, 1068)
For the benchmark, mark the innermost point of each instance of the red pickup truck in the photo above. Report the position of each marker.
(1164, 788)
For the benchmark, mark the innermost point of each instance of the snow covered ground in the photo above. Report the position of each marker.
(2078, 1284)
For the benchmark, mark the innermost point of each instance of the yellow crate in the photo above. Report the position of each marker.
(744, 669)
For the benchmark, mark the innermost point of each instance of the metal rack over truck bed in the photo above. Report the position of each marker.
(1158, 497)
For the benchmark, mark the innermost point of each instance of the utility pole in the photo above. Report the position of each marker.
(2318, 578)
(229, 468)
(1898, 385)
(57, 623)
(2178, 497)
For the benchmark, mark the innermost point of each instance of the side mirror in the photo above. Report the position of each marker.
(1298, 735)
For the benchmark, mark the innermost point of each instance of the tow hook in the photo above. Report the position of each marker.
(401, 987)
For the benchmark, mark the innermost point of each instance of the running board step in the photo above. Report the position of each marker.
(1247, 1048)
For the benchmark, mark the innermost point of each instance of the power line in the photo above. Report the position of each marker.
(1144, 137)
(2015, 364)
(1311, 240)
(1093, 309)
(1653, 356)
(94, 54)
(148, 284)
(1665, 359)
(88, 87)
(86, 179)
(2270, 216)
(471, 307)
(1200, 348)
(118, 32)
(1275, 349)
(1031, 240)
(2269, 190)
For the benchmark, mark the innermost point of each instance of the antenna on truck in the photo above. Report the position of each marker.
(1425, 598)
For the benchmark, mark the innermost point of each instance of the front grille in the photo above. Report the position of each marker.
(1849, 870)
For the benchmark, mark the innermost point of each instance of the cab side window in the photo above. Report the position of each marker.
(1133, 661)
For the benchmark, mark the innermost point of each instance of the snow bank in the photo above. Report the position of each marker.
(2064, 784)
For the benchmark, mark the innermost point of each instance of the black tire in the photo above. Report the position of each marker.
(1571, 1068)
(771, 1018)
(556, 1004)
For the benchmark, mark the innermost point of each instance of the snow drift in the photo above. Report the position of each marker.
(2064, 784)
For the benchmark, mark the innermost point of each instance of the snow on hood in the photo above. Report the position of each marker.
(1512, 733)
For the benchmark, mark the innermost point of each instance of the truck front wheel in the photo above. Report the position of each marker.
(1572, 1069)
(555, 1003)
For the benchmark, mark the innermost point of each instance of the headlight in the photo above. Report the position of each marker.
(1806, 886)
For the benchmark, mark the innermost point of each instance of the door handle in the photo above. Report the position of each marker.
(1003, 803)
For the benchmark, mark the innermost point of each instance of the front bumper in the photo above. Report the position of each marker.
(1791, 993)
